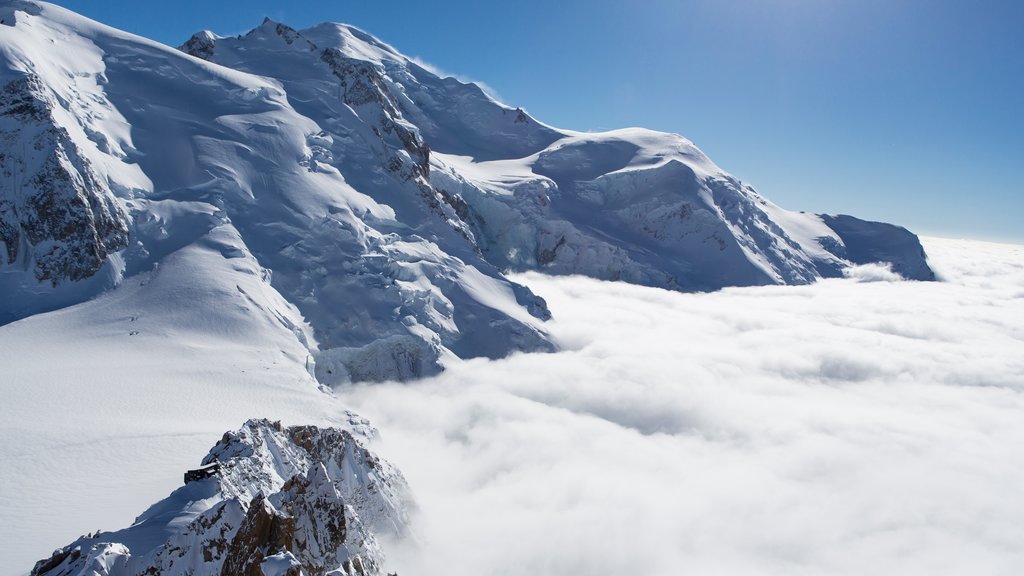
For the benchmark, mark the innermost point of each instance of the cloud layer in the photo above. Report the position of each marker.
(854, 426)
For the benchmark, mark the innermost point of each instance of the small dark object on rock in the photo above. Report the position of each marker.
(202, 473)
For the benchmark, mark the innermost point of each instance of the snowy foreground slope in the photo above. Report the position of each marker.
(283, 500)
(326, 183)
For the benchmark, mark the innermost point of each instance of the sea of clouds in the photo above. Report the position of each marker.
(855, 426)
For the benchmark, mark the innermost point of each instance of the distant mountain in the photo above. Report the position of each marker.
(323, 181)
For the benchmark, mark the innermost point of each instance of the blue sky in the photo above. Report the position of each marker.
(909, 111)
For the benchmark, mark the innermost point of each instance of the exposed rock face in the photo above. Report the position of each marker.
(333, 203)
(204, 542)
(264, 532)
(867, 242)
(300, 499)
(57, 216)
(200, 45)
(362, 84)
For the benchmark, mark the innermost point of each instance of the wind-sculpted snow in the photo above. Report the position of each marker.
(380, 200)
(636, 205)
(648, 208)
(302, 496)
(202, 156)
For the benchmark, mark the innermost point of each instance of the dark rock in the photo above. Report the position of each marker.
(264, 532)
(200, 45)
(869, 242)
(57, 210)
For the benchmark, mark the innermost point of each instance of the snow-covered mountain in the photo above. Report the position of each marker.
(290, 208)
(323, 181)
(274, 500)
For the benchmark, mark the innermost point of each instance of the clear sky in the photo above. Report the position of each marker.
(908, 111)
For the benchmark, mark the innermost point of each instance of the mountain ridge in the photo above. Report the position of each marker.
(317, 207)
(298, 499)
(381, 201)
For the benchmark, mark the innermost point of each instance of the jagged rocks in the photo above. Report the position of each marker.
(57, 216)
(363, 84)
(200, 45)
(285, 31)
(101, 559)
(264, 532)
(203, 544)
(286, 500)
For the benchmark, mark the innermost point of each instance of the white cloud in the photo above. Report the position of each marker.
(839, 428)
(877, 272)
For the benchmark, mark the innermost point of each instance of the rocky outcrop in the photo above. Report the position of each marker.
(866, 242)
(363, 84)
(285, 500)
(264, 532)
(200, 45)
(58, 218)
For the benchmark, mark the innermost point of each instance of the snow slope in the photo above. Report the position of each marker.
(302, 496)
(209, 160)
(381, 204)
(633, 204)
(106, 403)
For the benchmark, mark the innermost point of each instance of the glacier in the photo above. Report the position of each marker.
(379, 206)
(295, 211)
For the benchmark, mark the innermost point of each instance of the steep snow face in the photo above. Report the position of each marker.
(381, 202)
(60, 220)
(869, 242)
(635, 205)
(202, 156)
(452, 116)
(645, 207)
(649, 208)
(313, 498)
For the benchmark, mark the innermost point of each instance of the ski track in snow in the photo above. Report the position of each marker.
(844, 427)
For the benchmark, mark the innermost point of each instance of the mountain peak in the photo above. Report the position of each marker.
(379, 204)
(311, 497)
